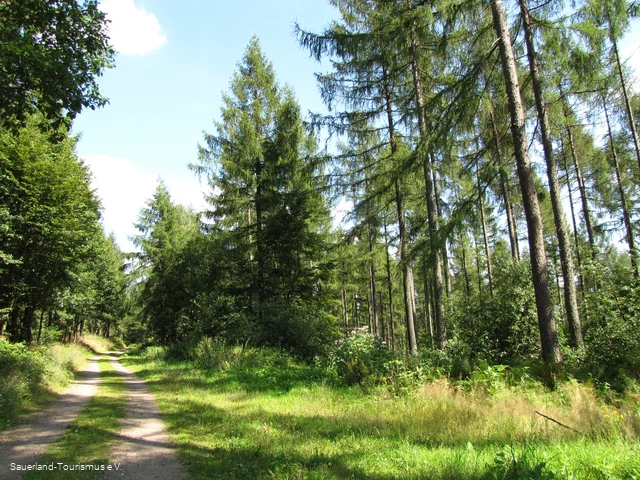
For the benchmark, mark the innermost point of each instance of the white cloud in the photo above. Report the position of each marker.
(133, 30)
(125, 188)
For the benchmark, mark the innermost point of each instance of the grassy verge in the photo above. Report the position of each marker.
(275, 421)
(31, 377)
(88, 437)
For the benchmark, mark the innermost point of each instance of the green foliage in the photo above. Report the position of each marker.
(272, 417)
(212, 354)
(503, 328)
(51, 55)
(55, 257)
(30, 375)
(361, 358)
(523, 463)
(612, 336)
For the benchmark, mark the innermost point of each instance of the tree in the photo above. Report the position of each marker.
(51, 53)
(52, 219)
(268, 201)
(564, 242)
(546, 322)
(165, 229)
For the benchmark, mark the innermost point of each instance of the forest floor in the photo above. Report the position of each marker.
(105, 425)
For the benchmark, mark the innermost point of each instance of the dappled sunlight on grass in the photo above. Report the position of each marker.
(281, 421)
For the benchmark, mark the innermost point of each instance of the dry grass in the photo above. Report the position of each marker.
(102, 345)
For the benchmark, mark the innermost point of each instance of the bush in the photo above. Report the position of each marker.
(362, 358)
(502, 329)
(214, 354)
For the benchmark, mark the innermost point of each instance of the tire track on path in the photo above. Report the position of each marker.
(143, 448)
(23, 445)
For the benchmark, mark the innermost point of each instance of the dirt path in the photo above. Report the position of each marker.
(143, 448)
(23, 445)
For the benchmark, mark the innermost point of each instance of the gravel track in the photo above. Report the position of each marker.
(143, 449)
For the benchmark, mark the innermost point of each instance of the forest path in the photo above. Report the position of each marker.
(142, 448)
(22, 445)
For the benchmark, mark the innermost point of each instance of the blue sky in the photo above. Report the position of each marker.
(175, 59)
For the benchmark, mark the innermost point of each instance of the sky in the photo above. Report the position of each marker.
(174, 61)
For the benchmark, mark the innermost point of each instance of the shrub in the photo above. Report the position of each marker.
(213, 353)
(362, 358)
(612, 334)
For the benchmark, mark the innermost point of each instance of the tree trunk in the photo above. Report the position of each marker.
(478, 267)
(372, 284)
(564, 241)
(586, 213)
(540, 274)
(407, 273)
(39, 340)
(432, 214)
(392, 322)
(428, 317)
(627, 103)
(485, 235)
(445, 254)
(345, 308)
(504, 187)
(15, 323)
(633, 253)
(574, 223)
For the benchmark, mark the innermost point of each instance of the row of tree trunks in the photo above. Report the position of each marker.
(540, 275)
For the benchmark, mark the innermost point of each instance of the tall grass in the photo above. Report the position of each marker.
(278, 419)
(32, 376)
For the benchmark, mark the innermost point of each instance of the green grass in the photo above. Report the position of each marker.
(280, 421)
(32, 377)
(88, 438)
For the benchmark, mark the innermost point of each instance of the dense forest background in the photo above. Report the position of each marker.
(490, 161)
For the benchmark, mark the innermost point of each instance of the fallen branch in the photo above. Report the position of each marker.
(556, 421)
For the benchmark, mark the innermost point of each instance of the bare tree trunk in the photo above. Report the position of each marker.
(432, 214)
(478, 267)
(345, 307)
(407, 273)
(586, 213)
(445, 254)
(627, 103)
(372, 283)
(564, 242)
(485, 236)
(465, 270)
(504, 187)
(390, 288)
(574, 223)
(428, 317)
(540, 273)
(39, 340)
(383, 327)
(633, 253)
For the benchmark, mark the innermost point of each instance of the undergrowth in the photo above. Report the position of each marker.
(31, 376)
(261, 414)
